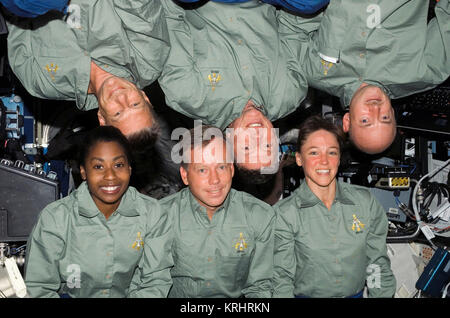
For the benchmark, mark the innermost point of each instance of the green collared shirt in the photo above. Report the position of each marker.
(331, 253)
(384, 43)
(229, 256)
(223, 55)
(51, 56)
(74, 250)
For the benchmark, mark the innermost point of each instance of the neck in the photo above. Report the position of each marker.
(96, 79)
(325, 194)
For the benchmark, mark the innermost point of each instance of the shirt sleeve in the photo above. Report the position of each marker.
(45, 57)
(181, 79)
(380, 278)
(153, 279)
(145, 28)
(44, 249)
(259, 280)
(284, 256)
(437, 47)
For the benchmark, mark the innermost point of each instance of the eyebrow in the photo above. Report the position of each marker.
(114, 159)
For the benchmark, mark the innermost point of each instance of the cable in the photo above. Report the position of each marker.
(444, 294)
(418, 191)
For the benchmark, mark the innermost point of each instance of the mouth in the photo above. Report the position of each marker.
(255, 125)
(323, 171)
(110, 189)
(215, 192)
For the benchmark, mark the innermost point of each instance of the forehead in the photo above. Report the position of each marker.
(319, 138)
(216, 151)
(103, 148)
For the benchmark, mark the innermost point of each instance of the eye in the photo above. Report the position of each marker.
(364, 120)
(222, 167)
(117, 114)
(120, 165)
(385, 118)
(98, 167)
(313, 153)
(135, 104)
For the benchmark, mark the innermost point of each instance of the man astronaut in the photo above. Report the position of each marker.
(100, 55)
(367, 54)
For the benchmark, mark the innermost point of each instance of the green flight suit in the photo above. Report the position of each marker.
(223, 55)
(384, 43)
(74, 250)
(51, 56)
(230, 256)
(331, 253)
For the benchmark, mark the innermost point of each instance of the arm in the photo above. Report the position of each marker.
(290, 87)
(145, 27)
(48, 62)
(259, 280)
(437, 47)
(380, 280)
(44, 248)
(153, 279)
(284, 256)
(181, 79)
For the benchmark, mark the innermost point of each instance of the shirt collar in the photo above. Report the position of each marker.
(87, 207)
(196, 207)
(308, 198)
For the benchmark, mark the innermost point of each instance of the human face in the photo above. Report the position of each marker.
(371, 120)
(107, 173)
(209, 179)
(319, 156)
(255, 139)
(123, 105)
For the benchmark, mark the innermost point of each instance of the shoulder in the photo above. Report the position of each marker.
(172, 200)
(359, 194)
(252, 206)
(291, 203)
(57, 213)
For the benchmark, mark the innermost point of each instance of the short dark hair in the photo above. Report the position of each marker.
(315, 123)
(191, 140)
(253, 176)
(103, 134)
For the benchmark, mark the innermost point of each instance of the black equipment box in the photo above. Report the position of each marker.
(23, 195)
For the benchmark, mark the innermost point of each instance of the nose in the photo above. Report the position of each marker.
(109, 174)
(214, 177)
(324, 158)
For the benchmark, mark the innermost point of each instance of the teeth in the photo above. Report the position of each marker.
(110, 188)
(254, 125)
(323, 171)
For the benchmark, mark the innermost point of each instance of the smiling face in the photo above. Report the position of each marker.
(370, 121)
(319, 156)
(255, 140)
(209, 175)
(123, 105)
(107, 173)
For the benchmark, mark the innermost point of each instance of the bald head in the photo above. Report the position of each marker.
(370, 121)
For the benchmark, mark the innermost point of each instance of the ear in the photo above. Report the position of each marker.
(232, 170)
(145, 97)
(83, 173)
(101, 119)
(346, 122)
(298, 159)
(183, 174)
